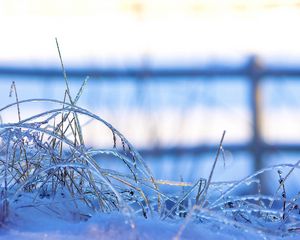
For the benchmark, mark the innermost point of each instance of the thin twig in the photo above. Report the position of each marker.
(13, 88)
(202, 201)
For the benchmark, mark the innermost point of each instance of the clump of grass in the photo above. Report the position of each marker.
(45, 163)
(262, 214)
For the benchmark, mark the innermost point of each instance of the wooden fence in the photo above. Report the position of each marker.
(253, 70)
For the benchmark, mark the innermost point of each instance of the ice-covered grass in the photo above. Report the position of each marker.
(51, 183)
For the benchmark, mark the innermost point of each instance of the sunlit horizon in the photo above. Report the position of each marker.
(128, 32)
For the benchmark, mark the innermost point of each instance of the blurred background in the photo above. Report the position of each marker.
(171, 75)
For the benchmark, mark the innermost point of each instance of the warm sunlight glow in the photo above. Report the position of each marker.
(161, 30)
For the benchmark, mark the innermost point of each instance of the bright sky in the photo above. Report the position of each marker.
(121, 32)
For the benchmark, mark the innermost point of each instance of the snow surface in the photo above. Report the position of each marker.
(115, 226)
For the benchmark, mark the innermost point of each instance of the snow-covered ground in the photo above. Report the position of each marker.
(116, 226)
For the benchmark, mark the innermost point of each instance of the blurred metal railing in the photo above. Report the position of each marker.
(253, 70)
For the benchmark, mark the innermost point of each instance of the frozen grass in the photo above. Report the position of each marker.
(46, 167)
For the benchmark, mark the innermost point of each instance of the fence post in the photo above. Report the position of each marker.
(255, 75)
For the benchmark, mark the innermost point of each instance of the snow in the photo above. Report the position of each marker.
(116, 226)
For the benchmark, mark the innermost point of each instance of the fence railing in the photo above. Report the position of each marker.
(253, 70)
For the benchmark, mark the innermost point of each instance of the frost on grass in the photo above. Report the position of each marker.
(45, 161)
(46, 167)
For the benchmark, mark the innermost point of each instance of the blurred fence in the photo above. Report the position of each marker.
(253, 70)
